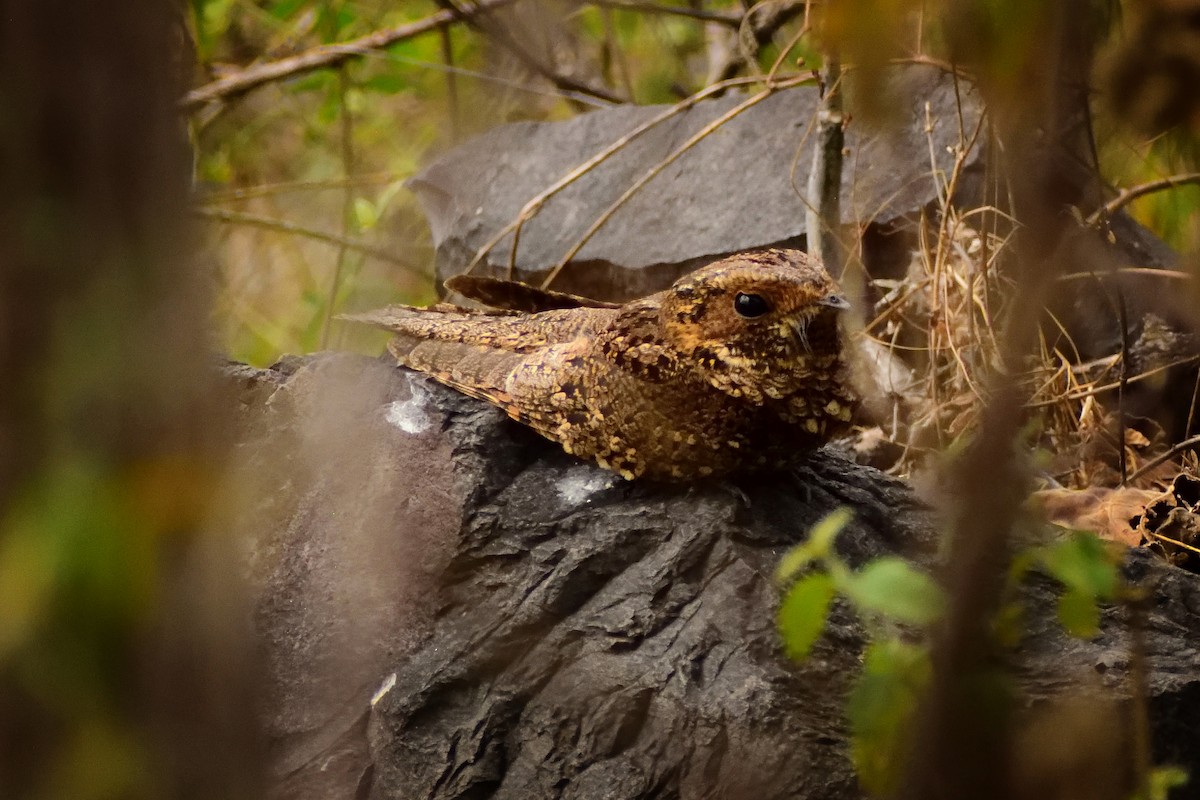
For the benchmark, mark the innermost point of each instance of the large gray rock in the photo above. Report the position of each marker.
(451, 607)
(739, 188)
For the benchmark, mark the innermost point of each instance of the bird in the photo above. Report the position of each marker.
(736, 367)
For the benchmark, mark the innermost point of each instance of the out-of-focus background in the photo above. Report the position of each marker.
(329, 150)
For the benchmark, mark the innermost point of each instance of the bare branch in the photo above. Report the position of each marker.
(268, 189)
(474, 13)
(324, 56)
(824, 215)
(1127, 196)
(535, 204)
(649, 175)
(283, 226)
(1180, 447)
(733, 20)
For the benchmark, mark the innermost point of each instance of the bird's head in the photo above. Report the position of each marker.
(756, 324)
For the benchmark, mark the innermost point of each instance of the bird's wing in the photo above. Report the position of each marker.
(502, 330)
(538, 389)
(488, 355)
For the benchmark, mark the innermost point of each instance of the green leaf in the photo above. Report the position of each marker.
(889, 586)
(1008, 626)
(1162, 780)
(365, 215)
(802, 614)
(818, 545)
(387, 83)
(881, 708)
(286, 8)
(1083, 563)
(1079, 614)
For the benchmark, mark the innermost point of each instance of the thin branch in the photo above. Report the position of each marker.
(1186, 444)
(823, 216)
(486, 77)
(1127, 196)
(329, 55)
(267, 189)
(658, 168)
(1160, 537)
(731, 19)
(1095, 390)
(451, 84)
(535, 204)
(474, 13)
(1150, 272)
(347, 137)
(283, 226)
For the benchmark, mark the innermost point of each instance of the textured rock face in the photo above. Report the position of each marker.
(450, 606)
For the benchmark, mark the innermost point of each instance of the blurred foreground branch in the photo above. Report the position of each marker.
(123, 671)
(964, 746)
(732, 20)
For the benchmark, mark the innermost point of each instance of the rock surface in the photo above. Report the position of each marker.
(451, 607)
(741, 187)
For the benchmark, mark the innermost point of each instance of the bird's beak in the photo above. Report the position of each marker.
(835, 301)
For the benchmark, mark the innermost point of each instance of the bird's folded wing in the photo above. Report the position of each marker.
(511, 331)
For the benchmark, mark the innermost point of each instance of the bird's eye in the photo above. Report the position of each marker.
(750, 305)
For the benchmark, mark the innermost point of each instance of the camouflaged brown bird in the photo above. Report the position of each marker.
(737, 366)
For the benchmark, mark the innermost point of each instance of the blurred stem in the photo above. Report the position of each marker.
(256, 221)
(962, 746)
(1139, 690)
(451, 82)
(347, 135)
(616, 54)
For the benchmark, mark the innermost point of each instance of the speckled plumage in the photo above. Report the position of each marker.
(679, 385)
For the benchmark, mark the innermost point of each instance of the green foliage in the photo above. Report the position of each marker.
(1161, 781)
(817, 547)
(895, 672)
(1086, 567)
(803, 611)
(881, 709)
(890, 587)
(896, 668)
(887, 589)
(78, 566)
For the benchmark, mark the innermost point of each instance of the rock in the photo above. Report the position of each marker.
(450, 606)
(737, 189)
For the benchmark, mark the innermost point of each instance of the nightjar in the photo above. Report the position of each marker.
(737, 366)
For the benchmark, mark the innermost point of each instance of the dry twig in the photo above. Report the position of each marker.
(649, 175)
(535, 204)
(731, 19)
(1127, 196)
(283, 226)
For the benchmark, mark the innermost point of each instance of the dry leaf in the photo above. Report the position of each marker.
(1105, 511)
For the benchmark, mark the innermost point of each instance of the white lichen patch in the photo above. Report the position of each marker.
(410, 415)
(581, 482)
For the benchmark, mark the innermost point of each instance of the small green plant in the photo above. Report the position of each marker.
(887, 593)
(898, 605)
